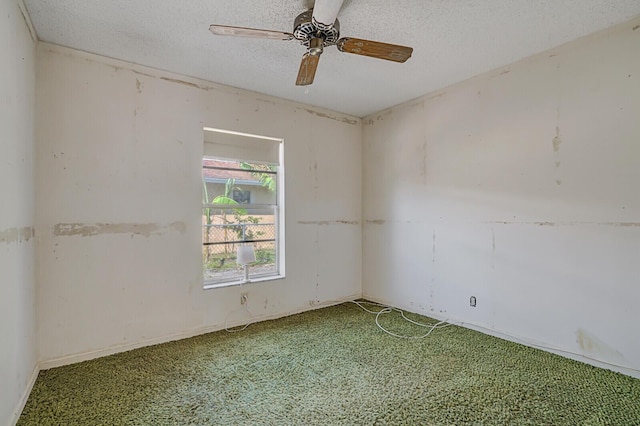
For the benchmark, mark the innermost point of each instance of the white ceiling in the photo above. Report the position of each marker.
(452, 40)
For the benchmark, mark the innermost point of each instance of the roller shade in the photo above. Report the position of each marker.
(241, 147)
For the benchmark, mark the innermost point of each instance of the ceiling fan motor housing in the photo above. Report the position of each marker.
(304, 30)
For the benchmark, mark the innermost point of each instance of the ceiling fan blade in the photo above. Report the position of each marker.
(307, 70)
(325, 13)
(226, 30)
(375, 49)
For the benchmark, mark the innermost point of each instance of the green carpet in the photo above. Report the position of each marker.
(333, 366)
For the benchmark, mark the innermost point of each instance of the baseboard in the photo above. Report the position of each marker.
(72, 359)
(25, 396)
(629, 371)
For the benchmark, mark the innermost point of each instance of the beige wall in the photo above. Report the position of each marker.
(520, 187)
(18, 354)
(123, 144)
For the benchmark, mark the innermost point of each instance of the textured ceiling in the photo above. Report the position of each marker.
(452, 40)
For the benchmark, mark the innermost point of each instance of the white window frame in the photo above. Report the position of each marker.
(279, 217)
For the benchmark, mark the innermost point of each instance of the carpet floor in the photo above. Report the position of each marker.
(333, 366)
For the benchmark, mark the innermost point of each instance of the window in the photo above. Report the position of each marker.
(242, 192)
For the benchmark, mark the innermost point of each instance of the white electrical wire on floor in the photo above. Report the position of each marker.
(240, 327)
(384, 310)
(442, 324)
(388, 309)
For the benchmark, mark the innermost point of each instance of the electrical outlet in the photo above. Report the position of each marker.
(244, 298)
(472, 301)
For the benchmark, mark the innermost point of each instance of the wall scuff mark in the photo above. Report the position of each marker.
(615, 224)
(329, 222)
(527, 223)
(17, 235)
(186, 83)
(556, 140)
(172, 80)
(143, 73)
(377, 221)
(93, 229)
(591, 345)
(433, 248)
(332, 117)
(384, 114)
(493, 249)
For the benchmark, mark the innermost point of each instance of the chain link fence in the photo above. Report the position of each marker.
(220, 242)
(223, 238)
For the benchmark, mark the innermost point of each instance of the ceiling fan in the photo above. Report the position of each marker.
(316, 29)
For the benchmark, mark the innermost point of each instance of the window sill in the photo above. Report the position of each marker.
(211, 285)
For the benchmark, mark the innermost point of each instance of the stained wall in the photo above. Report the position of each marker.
(119, 189)
(518, 187)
